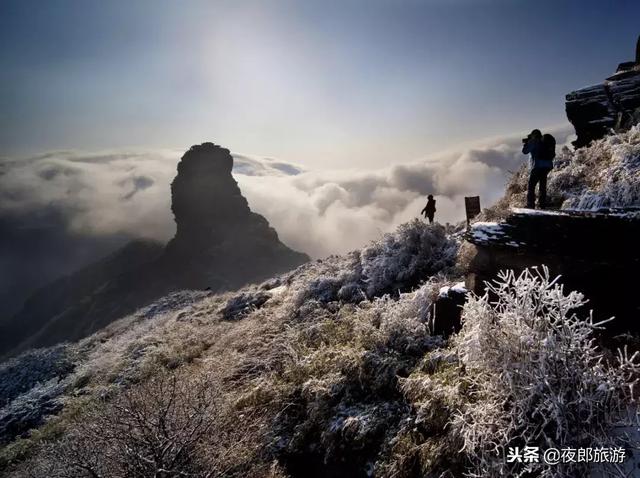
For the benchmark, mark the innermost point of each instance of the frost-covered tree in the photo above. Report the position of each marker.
(536, 377)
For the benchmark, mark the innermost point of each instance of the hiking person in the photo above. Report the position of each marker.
(542, 149)
(430, 209)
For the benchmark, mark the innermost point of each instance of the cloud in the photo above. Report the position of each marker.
(78, 205)
(250, 166)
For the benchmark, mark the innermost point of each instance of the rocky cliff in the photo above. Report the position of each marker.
(590, 237)
(593, 252)
(614, 103)
(220, 244)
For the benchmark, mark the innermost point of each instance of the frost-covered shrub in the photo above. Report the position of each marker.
(240, 305)
(30, 387)
(153, 428)
(404, 323)
(614, 179)
(397, 262)
(30, 409)
(165, 427)
(411, 254)
(423, 445)
(347, 403)
(535, 377)
(21, 373)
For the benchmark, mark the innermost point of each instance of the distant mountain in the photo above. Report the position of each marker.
(220, 244)
(66, 308)
(38, 247)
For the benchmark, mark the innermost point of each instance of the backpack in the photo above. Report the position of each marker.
(548, 148)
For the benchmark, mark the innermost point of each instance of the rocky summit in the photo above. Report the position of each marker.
(614, 103)
(220, 244)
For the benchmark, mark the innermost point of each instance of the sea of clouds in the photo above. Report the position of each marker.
(63, 209)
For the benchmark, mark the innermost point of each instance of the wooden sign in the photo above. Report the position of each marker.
(472, 206)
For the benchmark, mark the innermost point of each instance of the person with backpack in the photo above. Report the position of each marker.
(542, 149)
(429, 210)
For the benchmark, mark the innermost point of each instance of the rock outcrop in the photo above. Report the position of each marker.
(220, 244)
(613, 104)
(595, 253)
(446, 311)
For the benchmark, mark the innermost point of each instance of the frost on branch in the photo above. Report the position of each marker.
(536, 377)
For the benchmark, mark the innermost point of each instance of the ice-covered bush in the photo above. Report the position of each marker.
(20, 374)
(611, 168)
(30, 389)
(535, 377)
(397, 262)
(168, 426)
(346, 402)
(414, 252)
(30, 409)
(240, 305)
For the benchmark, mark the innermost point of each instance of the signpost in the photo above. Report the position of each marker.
(472, 207)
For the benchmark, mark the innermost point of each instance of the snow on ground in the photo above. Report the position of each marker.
(459, 288)
(608, 171)
(537, 212)
(487, 232)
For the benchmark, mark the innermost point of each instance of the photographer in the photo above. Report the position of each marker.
(542, 151)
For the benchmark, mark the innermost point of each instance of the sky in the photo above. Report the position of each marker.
(325, 84)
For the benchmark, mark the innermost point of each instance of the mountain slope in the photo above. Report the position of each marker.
(236, 341)
(328, 370)
(57, 312)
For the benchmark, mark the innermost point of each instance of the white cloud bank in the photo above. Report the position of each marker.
(318, 212)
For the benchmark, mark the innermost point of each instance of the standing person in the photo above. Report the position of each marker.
(542, 150)
(430, 209)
